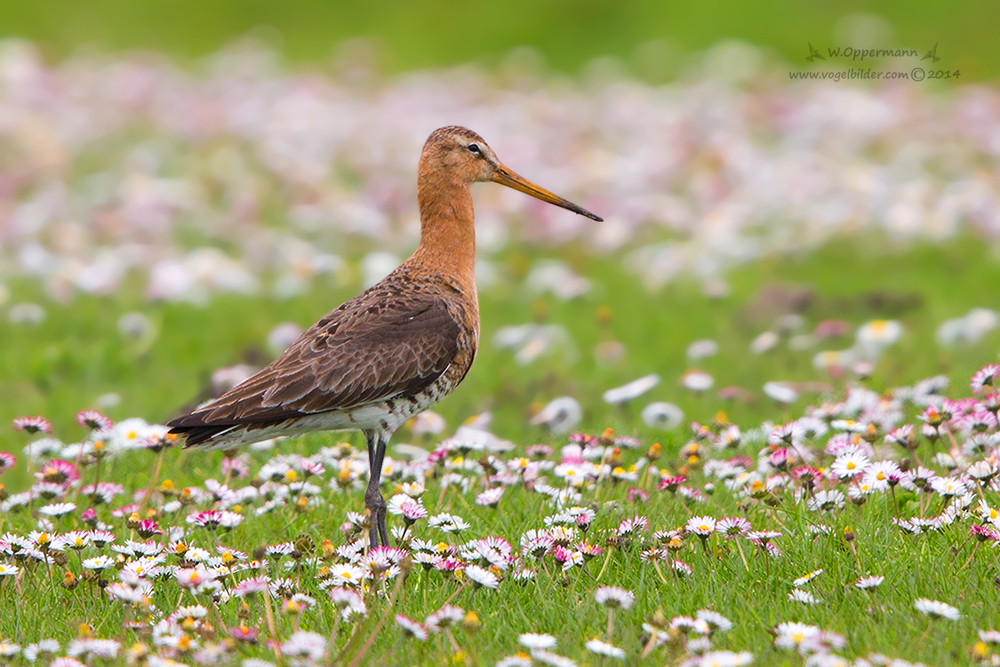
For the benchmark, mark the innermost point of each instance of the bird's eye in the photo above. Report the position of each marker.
(474, 148)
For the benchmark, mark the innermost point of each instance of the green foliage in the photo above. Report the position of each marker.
(651, 37)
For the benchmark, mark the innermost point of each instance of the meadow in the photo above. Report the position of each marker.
(811, 479)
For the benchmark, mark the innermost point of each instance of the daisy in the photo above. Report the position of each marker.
(534, 641)
(32, 651)
(251, 587)
(560, 415)
(697, 381)
(781, 392)
(57, 509)
(348, 601)
(629, 526)
(716, 621)
(720, 659)
(93, 420)
(614, 597)
(733, 527)
(631, 391)
(792, 635)
(58, 472)
(243, 633)
(448, 523)
(683, 624)
(346, 574)
(936, 609)
(805, 597)
(869, 583)
(33, 424)
(987, 376)
(762, 535)
(702, 526)
(802, 581)
(662, 415)
(985, 636)
(519, 660)
(490, 497)
(98, 564)
(849, 464)
(129, 434)
(595, 645)
(412, 628)
(444, 617)
(481, 577)
(548, 658)
(681, 568)
(881, 475)
(305, 644)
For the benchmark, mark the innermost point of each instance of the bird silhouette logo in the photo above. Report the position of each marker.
(932, 54)
(813, 53)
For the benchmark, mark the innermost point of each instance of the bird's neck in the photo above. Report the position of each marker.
(447, 229)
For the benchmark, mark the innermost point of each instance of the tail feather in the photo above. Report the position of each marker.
(195, 435)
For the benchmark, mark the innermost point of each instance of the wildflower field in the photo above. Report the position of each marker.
(751, 418)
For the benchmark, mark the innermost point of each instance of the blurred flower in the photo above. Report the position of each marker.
(875, 336)
(661, 415)
(936, 609)
(556, 278)
(560, 415)
(701, 349)
(631, 391)
(282, 336)
(969, 329)
(765, 342)
(599, 647)
(781, 392)
(697, 381)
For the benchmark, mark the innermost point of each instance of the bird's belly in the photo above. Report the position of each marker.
(383, 416)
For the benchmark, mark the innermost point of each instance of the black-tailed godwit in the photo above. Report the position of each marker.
(395, 350)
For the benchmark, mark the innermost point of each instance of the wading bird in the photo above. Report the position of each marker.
(395, 350)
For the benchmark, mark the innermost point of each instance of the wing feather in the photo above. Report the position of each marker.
(369, 349)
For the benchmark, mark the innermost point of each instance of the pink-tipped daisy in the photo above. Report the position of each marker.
(412, 628)
(93, 420)
(987, 376)
(733, 527)
(37, 424)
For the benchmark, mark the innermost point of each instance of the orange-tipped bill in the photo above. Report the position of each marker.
(505, 176)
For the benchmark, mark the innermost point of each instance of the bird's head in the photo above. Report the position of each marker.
(464, 154)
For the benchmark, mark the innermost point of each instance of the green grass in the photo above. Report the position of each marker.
(567, 34)
(77, 355)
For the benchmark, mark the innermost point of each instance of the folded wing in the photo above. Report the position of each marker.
(365, 351)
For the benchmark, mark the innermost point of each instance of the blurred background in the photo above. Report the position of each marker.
(185, 186)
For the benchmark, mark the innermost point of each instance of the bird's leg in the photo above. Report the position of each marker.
(374, 502)
(383, 531)
(372, 493)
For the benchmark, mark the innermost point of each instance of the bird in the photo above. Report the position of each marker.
(391, 352)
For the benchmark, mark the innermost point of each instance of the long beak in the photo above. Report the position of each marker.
(505, 176)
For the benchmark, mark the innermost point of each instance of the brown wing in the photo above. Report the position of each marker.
(367, 350)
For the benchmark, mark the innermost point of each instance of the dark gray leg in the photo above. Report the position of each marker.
(374, 502)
